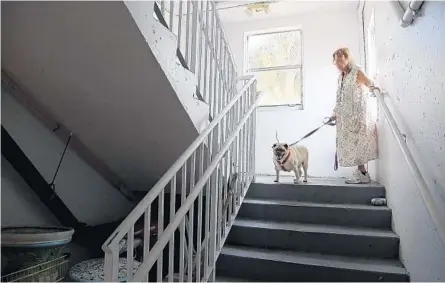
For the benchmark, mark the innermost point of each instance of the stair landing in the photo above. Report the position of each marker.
(323, 230)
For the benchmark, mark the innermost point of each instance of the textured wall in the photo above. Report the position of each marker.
(410, 66)
(323, 32)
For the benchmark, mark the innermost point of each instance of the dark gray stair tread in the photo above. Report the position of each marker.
(314, 228)
(350, 215)
(314, 204)
(317, 190)
(229, 279)
(342, 262)
(329, 182)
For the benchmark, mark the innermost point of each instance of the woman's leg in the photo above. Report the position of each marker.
(362, 168)
(360, 176)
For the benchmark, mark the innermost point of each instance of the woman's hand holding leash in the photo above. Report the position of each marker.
(331, 121)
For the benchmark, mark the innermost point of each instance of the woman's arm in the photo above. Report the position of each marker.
(364, 80)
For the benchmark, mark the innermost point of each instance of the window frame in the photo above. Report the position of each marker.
(300, 67)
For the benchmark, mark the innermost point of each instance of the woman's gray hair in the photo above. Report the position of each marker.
(345, 52)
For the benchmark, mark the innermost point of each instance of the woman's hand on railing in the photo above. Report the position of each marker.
(373, 88)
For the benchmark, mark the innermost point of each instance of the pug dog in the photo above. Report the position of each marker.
(290, 158)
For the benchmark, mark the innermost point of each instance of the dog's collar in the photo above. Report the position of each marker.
(284, 159)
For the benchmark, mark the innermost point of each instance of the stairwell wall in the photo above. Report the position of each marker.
(410, 68)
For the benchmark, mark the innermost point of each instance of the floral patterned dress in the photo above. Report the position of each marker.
(356, 130)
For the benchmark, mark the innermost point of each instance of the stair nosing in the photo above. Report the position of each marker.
(321, 182)
(313, 228)
(291, 203)
(315, 259)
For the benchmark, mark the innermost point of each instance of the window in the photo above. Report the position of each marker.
(276, 59)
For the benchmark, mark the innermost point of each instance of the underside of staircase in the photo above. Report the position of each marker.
(321, 231)
(108, 73)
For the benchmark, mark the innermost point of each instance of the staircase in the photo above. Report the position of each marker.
(323, 231)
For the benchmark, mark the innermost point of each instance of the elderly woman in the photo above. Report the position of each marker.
(356, 135)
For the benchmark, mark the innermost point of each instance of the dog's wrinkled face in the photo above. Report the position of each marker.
(280, 149)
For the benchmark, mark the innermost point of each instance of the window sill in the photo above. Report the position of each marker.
(281, 106)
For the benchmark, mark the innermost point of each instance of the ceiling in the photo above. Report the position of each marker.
(235, 11)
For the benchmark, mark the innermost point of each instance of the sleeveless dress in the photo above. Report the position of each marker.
(356, 129)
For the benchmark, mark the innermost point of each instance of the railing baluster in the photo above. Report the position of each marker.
(163, 8)
(199, 224)
(130, 249)
(220, 202)
(213, 217)
(171, 247)
(160, 230)
(147, 233)
(187, 32)
(182, 228)
(254, 85)
(172, 15)
(191, 220)
(244, 131)
(180, 26)
(207, 52)
(200, 40)
(190, 245)
(195, 32)
(207, 211)
(111, 263)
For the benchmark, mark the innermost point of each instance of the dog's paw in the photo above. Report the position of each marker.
(305, 181)
(276, 180)
(296, 181)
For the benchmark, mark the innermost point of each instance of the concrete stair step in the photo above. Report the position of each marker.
(243, 263)
(230, 279)
(316, 190)
(326, 239)
(351, 215)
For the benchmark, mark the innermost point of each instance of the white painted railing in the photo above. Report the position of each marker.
(425, 192)
(213, 175)
(204, 46)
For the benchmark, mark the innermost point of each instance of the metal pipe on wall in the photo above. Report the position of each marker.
(411, 13)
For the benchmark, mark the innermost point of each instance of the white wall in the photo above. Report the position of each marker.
(323, 32)
(410, 66)
(89, 197)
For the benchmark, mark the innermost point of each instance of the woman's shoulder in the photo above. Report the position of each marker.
(356, 68)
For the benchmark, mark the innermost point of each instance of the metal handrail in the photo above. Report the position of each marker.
(174, 224)
(165, 179)
(425, 192)
(232, 118)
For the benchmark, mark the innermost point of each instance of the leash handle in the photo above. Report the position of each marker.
(329, 121)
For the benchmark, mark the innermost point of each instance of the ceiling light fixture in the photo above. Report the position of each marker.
(258, 7)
